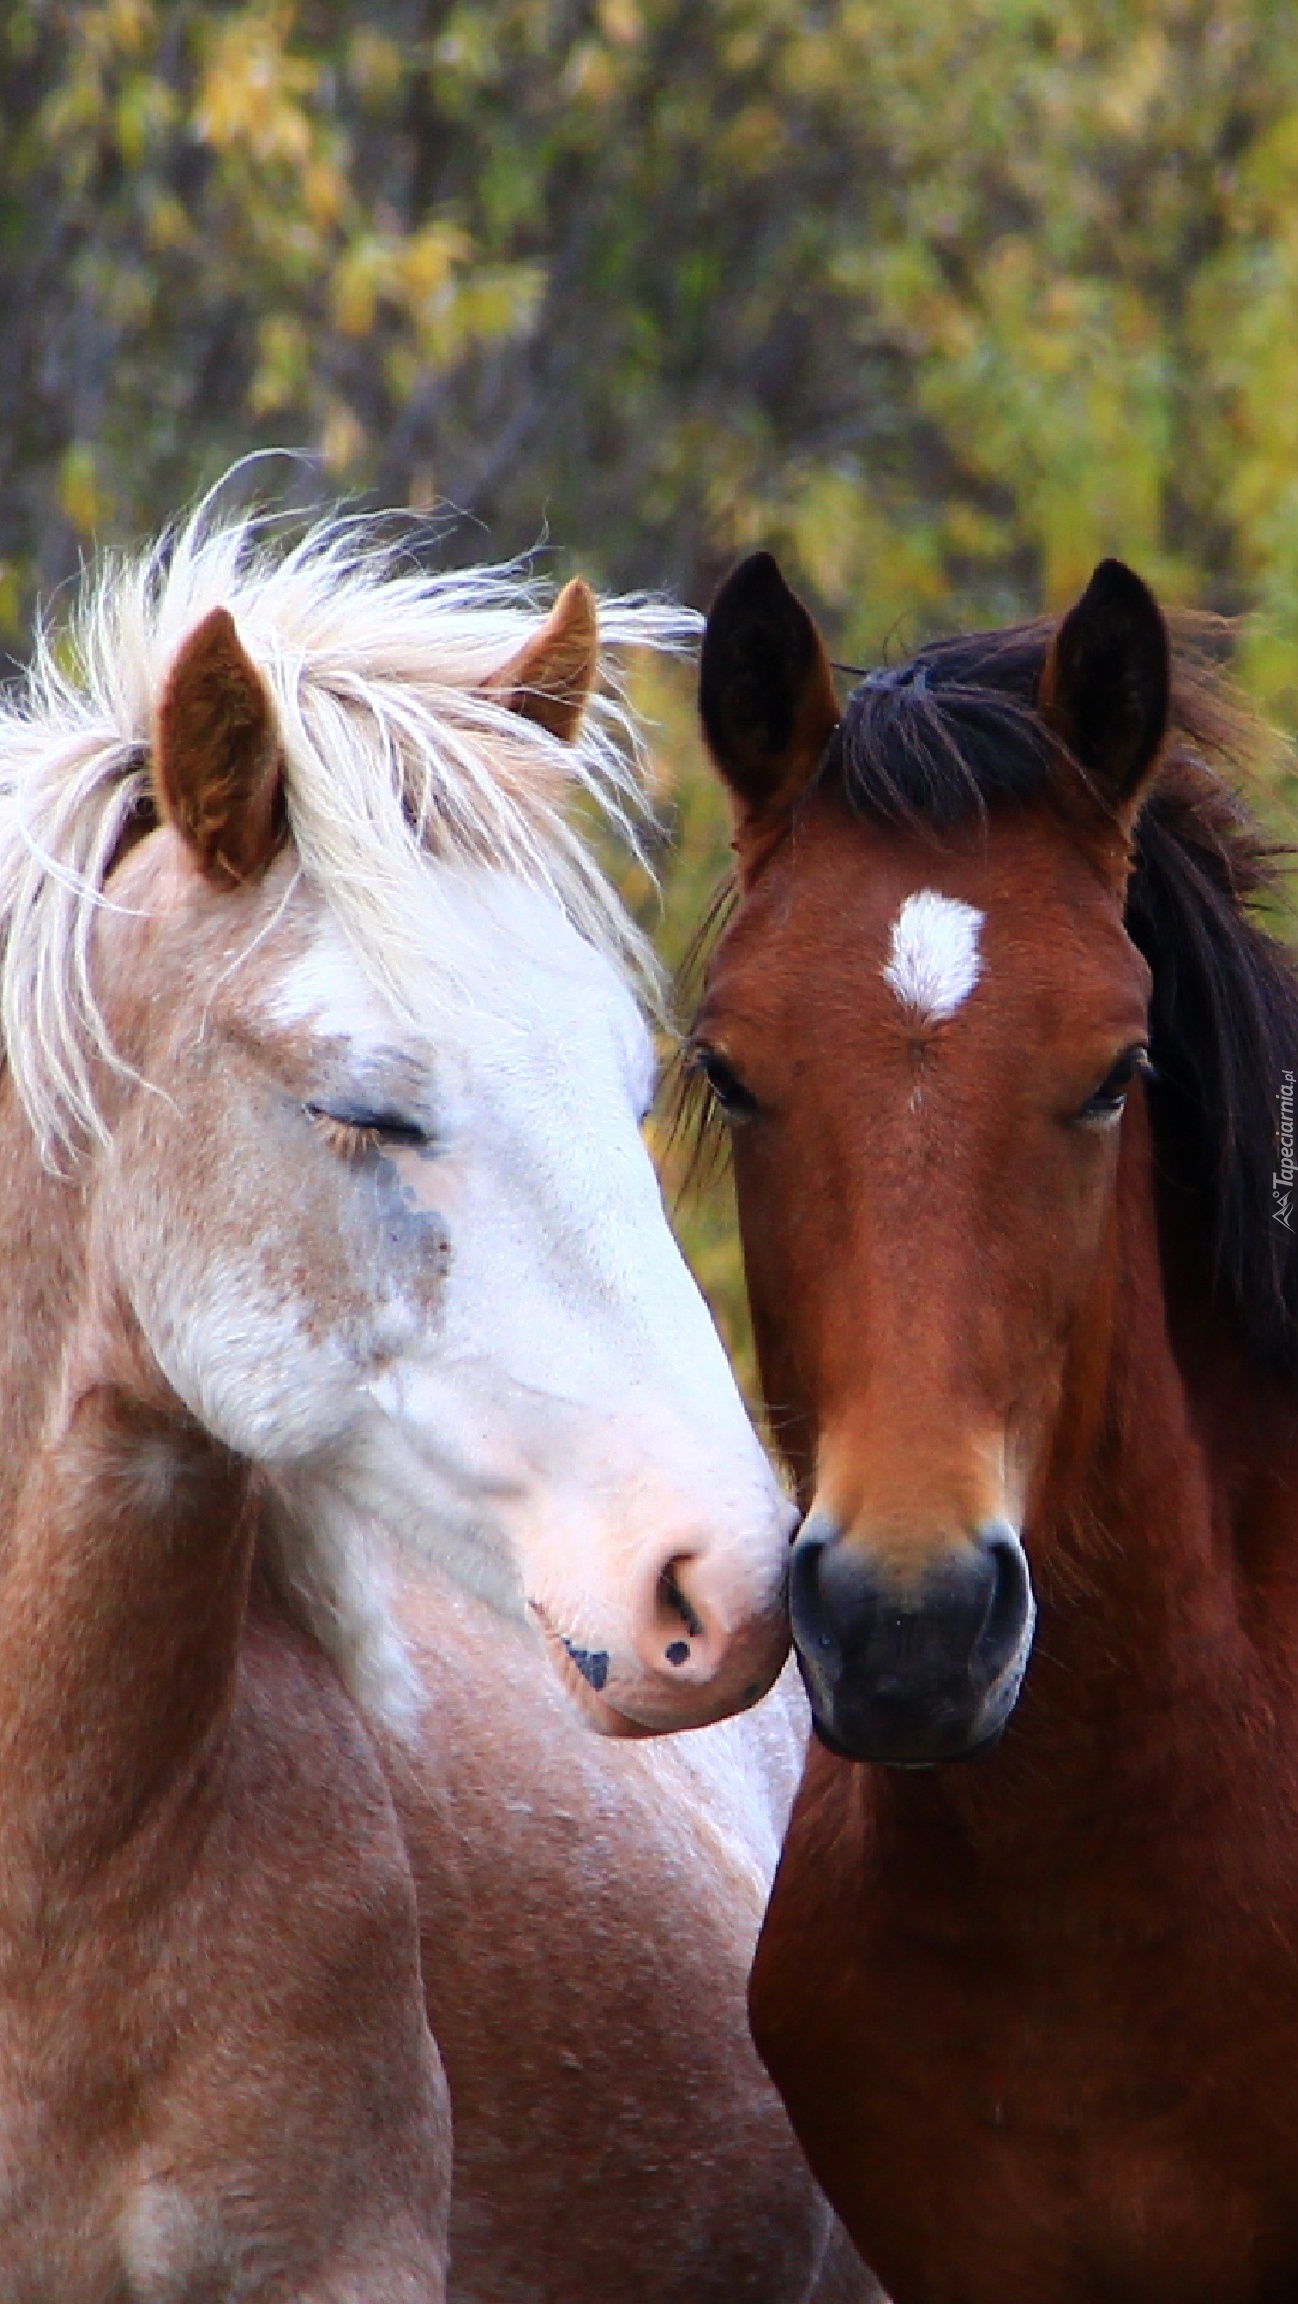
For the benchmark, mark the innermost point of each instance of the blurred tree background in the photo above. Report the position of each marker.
(942, 302)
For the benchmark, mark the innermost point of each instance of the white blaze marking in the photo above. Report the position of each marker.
(934, 963)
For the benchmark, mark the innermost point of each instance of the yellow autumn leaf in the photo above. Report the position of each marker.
(82, 497)
(362, 277)
(252, 90)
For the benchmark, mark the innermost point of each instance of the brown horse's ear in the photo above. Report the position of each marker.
(766, 691)
(1106, 683)
(216, 755)
(550, 679)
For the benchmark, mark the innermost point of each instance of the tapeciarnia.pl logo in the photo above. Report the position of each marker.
(1282, 1181)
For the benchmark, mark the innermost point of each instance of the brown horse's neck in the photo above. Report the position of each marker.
(126, 1540)
(1164, 1549)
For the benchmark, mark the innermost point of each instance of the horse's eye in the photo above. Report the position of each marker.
(1108, 1099)
(737, 1101)
(351, 1130)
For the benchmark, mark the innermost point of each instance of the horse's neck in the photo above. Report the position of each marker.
(1167, 1548)
(42, 1222)
(125, 1543)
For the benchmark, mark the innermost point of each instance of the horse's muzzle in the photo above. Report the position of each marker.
(916, 1676)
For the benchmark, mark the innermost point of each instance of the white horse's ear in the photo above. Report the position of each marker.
(216, 756)
(551, 677)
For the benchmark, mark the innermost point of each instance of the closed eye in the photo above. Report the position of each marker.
(737, 1100)
(352, 1130)
(1106, 1103)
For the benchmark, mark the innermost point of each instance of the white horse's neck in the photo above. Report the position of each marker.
(42, 1232)
(126, 1542)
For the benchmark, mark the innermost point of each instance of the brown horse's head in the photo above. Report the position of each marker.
(924, 1022)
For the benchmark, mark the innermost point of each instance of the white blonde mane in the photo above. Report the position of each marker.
(391, 749)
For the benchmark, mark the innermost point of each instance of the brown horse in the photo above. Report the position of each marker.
(1005, 1057)
(337, 1280)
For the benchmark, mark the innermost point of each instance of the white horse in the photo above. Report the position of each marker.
(340, 1301)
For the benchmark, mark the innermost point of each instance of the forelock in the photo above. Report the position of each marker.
(392, 751)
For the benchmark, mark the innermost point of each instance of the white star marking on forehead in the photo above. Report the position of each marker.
(934, 964)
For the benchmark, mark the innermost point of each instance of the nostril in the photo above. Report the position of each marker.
(807, 1608)
(1009, 1600)
(673, 1601)
(679, 1629)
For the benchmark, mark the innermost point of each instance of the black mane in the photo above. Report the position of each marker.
(955, 736)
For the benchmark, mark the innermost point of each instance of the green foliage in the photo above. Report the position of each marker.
(945, 302)
(941, 302)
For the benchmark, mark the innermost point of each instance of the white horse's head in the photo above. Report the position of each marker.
(337, 1011)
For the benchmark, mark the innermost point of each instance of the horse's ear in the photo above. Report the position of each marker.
(551, 677)
(216, 755)
(1106, 683)
(766, 691)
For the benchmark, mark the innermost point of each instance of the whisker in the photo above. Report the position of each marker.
(696, 1145)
